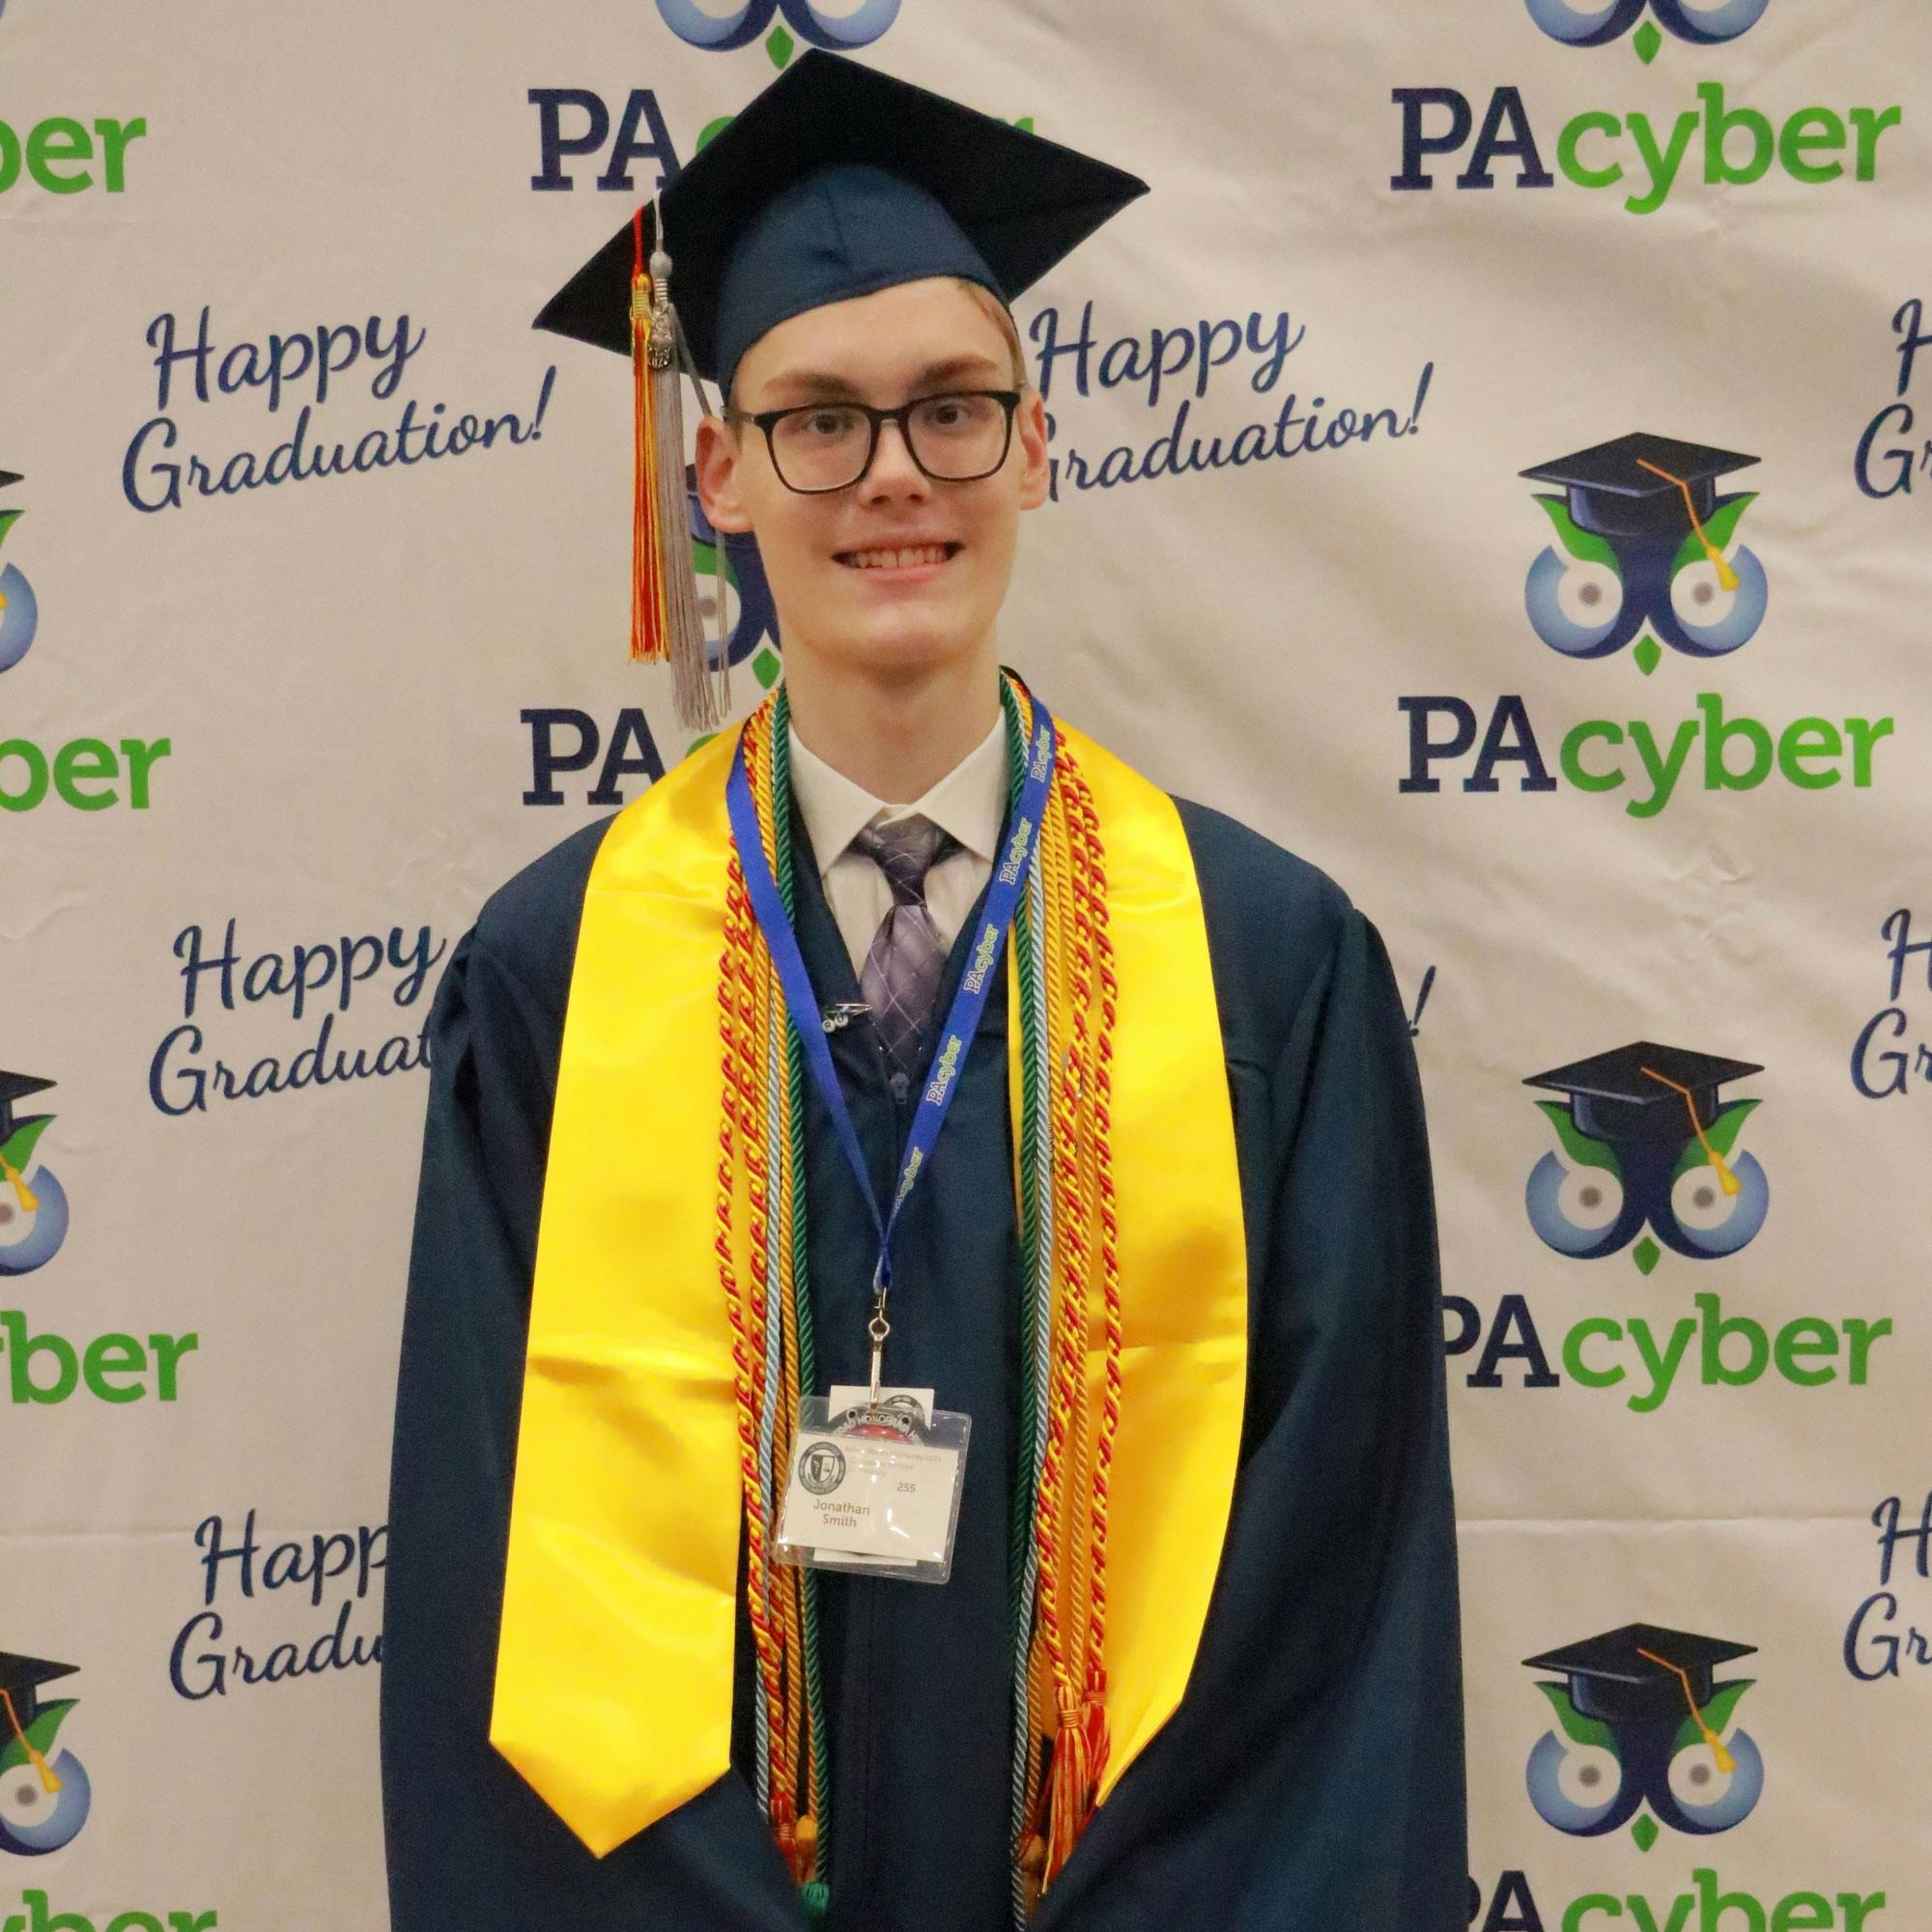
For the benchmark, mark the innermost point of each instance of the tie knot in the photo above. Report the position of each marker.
(905, 850)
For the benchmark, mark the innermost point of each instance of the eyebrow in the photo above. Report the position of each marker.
(814, 385)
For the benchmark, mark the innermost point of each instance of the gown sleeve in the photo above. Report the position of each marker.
(1313, 1773)
(471, 1847)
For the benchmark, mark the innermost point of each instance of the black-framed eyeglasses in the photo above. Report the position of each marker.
(957, 437)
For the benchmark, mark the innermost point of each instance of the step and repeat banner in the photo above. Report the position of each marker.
(1495, 462)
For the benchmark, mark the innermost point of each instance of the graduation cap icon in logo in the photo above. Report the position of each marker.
(8, 477)
(17, 1087)
(1642, 485)
(837, 181)
(1647, 1137)
(20, 1682)
(1642, 1672)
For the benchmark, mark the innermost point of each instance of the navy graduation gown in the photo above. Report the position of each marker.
(1312, 1772)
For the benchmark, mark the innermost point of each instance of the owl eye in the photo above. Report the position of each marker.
(31, 1236)
(1575, 604)
(842, 23)
(1710, 20)
(1572, 1207)
(34, 1819)
(1584, 25)
(1711, 1220)
(1574, 1787)
(1711, 1798)
(1715, 620)
(710, 25)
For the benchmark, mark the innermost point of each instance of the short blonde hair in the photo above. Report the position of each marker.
(1002, 317)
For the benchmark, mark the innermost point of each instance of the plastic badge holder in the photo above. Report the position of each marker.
(874, 1489)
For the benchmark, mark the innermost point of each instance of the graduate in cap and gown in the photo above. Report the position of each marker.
(922, 1398)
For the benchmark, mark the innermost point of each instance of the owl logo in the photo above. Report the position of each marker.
(19, 609)
(1704, 23)
(44, 1794)
(732, 569)
(1643, 1732)
(719, 29)
(33, 1203)
(1644, 540)
(1644, 1139)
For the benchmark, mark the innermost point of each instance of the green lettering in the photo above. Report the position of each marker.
(1806, 1336)
(191, 1921)
(1578, 1370)
(113, 1355)
(1719, 731)
(1870, 123)
(1712, 1907)
(31, 755)
(21, 1349)
(1816, 1908)
(1810, 738)
(1566, 149)
(1864, 732)
(1757, 1344)
(1718, 127)
(9, 157)
(168, 1352)
(1662, 773)
(1680, 1911)
(1861, 1335)
(84, 759)
(1662, 166)
(134, 1922)
(1662, 1368)
(140, 757)
(56, 140)
(1811, 129)
(1570, 755)
(1591, 1901)
(115, 137)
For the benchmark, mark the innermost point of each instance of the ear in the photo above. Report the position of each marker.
(1030, 423)
(718, 482)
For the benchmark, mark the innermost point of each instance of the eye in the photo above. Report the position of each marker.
(1714, 1221)
(1583, 25)
(1574, 1787)
(1712, 1799)
(31, 1236)
(823, 425)
(1711, 21)
(1572, 1207)
(34, 1819)
(1717, 620)
(1575, 604)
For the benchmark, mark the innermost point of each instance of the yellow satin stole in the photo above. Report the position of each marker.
(614, 1661)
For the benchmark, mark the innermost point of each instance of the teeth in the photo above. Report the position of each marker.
(899, 559)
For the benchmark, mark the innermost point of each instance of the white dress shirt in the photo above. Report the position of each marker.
(970, 801)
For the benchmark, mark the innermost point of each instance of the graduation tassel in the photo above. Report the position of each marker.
(1719, 1756)
(665, 624)
(1727, 578)
(18, 1181)
(1727, 1179)
(49, 1780)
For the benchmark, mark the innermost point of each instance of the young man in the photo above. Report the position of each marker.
(803, 1513)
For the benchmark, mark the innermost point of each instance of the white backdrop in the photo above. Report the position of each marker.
(340, 665)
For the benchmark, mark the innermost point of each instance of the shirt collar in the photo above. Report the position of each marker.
(970, 801)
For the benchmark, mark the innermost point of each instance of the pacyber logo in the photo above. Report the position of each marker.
(1705, 24)
(819, 23)
(44, 1794)
(1643, 1728)
(19, 608)
(33, 1203)
(1642, 1138)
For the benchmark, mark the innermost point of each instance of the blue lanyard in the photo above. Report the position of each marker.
(962, 1021)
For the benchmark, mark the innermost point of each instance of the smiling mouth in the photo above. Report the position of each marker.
(903, 557)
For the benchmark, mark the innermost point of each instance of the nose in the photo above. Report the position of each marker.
(893, 473)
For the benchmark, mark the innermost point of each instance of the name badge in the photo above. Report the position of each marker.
(874, 1487)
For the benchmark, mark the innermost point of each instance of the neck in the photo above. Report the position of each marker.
(897, 736)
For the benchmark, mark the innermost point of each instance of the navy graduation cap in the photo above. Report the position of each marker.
(834, 183)
(20, 1682)
(837, 180)
(1642, 485)
(8, 477)
(1642, 1091)
(17, 1087)
(1642, 1672)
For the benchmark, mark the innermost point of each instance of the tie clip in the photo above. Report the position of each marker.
(841, 1013)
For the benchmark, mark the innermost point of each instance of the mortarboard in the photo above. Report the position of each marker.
(835, 182)
(20, 1681)
(16, 1086)
(1644, 1673)
(1643, 1093)
(8, 477)
(1646, 486)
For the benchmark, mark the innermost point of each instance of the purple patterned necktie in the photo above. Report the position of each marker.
(901, 975)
